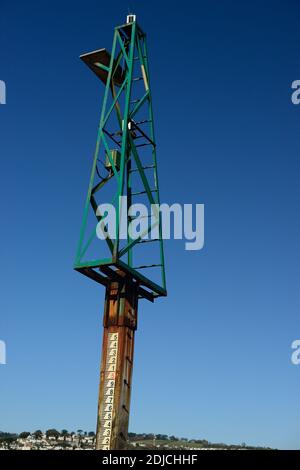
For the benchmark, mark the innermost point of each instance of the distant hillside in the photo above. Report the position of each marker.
(83, 440)
(163, 441)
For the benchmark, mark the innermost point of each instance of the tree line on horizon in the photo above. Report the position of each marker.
(133, 437)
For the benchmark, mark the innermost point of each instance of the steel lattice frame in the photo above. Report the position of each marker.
(129, 48)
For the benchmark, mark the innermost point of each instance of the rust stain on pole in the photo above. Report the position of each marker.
(120, 323)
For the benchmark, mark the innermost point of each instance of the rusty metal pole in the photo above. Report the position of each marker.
(120, 323)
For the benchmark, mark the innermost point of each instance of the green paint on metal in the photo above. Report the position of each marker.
(129, 52)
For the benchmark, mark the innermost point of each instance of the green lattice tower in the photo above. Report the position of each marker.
(124, 165)
(131, 268)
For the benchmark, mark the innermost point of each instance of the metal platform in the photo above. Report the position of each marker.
(106, 272)
(99, 61)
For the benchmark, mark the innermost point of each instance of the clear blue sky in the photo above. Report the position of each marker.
(213, 359)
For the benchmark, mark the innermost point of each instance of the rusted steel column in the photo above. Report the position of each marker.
(120, 323)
